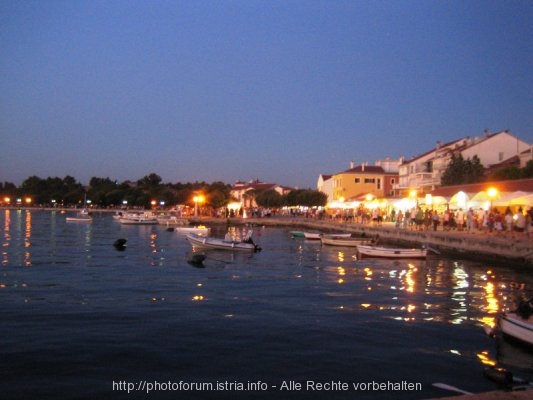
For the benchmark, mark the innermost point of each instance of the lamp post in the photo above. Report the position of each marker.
(492, 193)
(197, 199)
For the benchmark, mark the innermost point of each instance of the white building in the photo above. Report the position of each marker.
(423, 173)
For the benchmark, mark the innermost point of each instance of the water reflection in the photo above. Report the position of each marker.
(438, 290)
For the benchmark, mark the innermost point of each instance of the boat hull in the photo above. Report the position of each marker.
(219, 244)
(386, 252)
(82, 216)
(515, 327)
(137, 221)
(79, 219)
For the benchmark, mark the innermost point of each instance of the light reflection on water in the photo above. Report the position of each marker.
(293, 297)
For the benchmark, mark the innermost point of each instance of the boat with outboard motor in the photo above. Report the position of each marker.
(246, 244)
(518, 324)
(345, 241)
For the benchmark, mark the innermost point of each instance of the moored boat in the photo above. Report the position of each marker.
(518, 324)
(297, 234)
(138, 218)
(82, 216)
(390, 252)
(205, 242)
(318, 235)
(344, 241)
(516, 327)
(312, 235)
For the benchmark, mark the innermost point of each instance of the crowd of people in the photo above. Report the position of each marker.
(468, 220)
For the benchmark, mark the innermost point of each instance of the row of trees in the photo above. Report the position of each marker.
(104, 192)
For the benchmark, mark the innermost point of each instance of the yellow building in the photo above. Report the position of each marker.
(358, 182)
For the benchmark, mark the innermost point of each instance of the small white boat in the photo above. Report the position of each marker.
(312, 235)
(246, 244)
(390, 252)
(320, 235)
(82, 216)
(518, 324)
(344, 241)
(516, 327)
(138, 218)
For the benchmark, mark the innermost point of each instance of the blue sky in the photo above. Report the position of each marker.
(282, 91)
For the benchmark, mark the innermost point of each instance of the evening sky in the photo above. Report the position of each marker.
(281, 91)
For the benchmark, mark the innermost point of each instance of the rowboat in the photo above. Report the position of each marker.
(320, 235)
(312, 235)
(390, 252)
(344, 241)
(516, 327)
(204, 242)
(297, 234)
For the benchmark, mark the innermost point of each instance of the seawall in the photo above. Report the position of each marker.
(510, 248)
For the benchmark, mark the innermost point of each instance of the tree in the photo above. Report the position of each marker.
(527, 171)
(306, 197)
(269, 199)
(461, 171)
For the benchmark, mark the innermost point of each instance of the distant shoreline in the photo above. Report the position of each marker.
(515, 248)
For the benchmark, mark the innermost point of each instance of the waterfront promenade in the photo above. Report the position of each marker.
(510, 247)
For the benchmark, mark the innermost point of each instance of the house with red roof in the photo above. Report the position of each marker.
(423, 173)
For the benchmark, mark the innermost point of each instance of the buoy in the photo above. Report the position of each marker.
(120, 244)
(197, 260)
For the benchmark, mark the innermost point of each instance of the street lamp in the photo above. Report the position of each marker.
(197, 199)
(492, 193)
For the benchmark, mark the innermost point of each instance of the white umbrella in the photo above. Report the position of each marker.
(514, 198)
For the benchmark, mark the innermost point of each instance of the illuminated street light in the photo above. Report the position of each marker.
(197, 199)
(492, 193)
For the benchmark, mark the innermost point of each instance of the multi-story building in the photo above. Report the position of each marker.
(424, 172)
(360, 181)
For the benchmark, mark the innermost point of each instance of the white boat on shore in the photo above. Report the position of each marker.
(390, 252)
(81, 216)
(204, 242)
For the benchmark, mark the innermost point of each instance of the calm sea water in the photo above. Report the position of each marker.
(81, 320)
